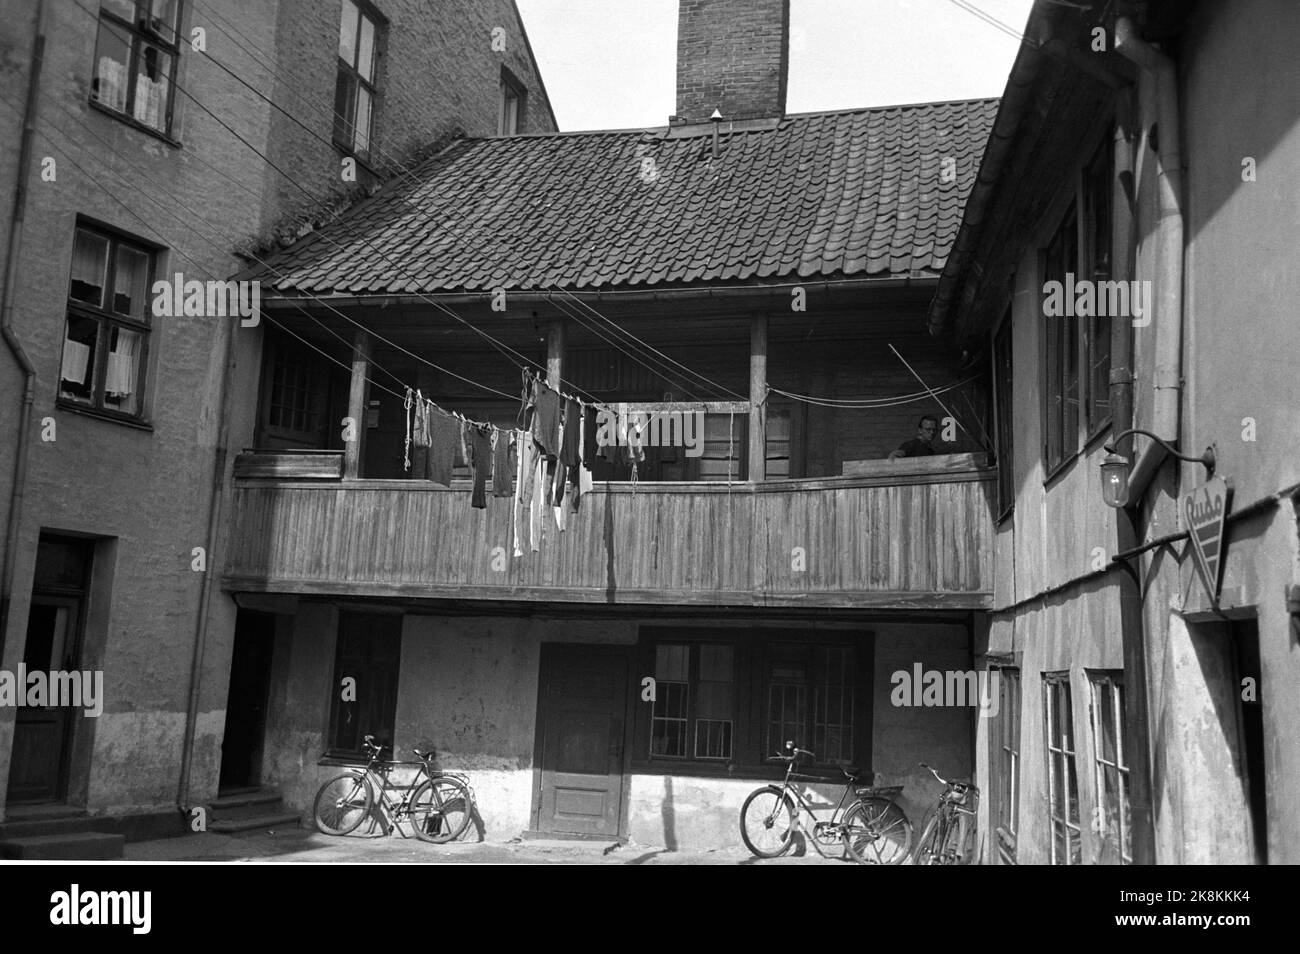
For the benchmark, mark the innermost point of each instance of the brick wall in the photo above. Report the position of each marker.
(732, 55)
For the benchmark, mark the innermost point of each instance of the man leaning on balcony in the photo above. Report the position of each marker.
(922, 444)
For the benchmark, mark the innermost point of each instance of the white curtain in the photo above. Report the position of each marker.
(121, 371)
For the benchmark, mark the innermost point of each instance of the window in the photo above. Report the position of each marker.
(722, 457)
(106, 340)
(1002, 385)
(1062, 351)
(727, 699)
(512, 104)
(1062, 777)
(1077, 346)
(706, 732)
(135, 60)
(777, 436)
(354, 91)
(1005, 736)
(296, 394)
(369, 649)
(810, 700)
(1097, 266)
(1114, 822)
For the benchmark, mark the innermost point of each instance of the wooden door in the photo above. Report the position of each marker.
(582, 716)
(37, 771)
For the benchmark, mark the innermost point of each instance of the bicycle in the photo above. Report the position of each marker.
(873, 829)
(438, 808)
(948, 837)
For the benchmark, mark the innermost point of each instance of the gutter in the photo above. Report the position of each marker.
(1158, 76)
(28, 400)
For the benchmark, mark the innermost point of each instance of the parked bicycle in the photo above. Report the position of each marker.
(948, 837)
(873, 829)
(437, 808)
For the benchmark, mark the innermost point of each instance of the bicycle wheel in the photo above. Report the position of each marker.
(877, 832)
(440, 809)
(767, 822)
(934, 840)
(342, 803)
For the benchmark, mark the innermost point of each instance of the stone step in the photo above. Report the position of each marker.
(254, 822)
(75, 846)
(248, 805)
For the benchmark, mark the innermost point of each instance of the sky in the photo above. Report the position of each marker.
(611, 64)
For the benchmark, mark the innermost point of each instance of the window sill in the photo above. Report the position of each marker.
(135, 123)
(139, 424)
(1099, 432)
(362, 163)
(1059, 469)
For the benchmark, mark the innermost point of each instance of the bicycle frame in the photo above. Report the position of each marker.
(803, 805)
(394, 809)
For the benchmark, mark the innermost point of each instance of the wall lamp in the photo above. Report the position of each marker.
(1115, 467)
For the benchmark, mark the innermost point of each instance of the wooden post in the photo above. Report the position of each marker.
(358, 404)
(757, 392)
(554, 353)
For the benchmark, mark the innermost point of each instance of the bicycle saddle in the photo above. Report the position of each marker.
(855, 774)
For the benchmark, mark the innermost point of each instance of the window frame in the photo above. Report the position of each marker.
(1114, 680)
(1003, 353)
(344, 133)
(106, 319)
(1007, 738)
(347, 620)
(692, 716)
(140, 35)
(750, 755)
(511, 87)
(1056, 685)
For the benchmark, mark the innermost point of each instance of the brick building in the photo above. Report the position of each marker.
(164, 138)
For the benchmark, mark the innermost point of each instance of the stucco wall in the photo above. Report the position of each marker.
(468, 687)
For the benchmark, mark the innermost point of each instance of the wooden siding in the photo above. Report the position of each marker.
(889, 542)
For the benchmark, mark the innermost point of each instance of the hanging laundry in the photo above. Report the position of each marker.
(480, 461)
(546, 419)
(419, 437)
(503, 463)
(537, 503)
(525, 472)
(443, 437)
(590, 419)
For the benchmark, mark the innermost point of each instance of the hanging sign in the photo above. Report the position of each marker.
(1205, 510)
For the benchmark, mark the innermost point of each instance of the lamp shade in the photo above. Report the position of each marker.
(1114, 480)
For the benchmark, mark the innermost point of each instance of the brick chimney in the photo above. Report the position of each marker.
(732, 56)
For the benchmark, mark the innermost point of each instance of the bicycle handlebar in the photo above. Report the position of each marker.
(944, 781)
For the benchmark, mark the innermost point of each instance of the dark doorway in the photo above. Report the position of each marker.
(250, 675)
(38, 769)
(1250, 711)
(581, 718)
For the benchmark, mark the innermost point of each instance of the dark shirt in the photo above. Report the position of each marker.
(917, 448)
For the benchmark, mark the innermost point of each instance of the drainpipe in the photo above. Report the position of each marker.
(1137, 733)
(220, 456)
(1157, 70)
(28, 370)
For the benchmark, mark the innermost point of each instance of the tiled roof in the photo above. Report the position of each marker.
(861, 193)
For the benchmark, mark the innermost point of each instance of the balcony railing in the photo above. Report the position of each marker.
(913, 534)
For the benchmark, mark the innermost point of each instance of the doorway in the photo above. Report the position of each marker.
(250, 677)
(581, 728)
(39, 766)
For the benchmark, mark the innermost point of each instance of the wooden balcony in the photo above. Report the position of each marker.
(914, 536)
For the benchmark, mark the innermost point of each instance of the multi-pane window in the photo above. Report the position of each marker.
(1062, 775)
(106, 340)
(811, 699)
(1006, 741)
(1062, 349)
(694, 705)
(777, 437)
(294, 398)
(368, 654)
(135, 59)
(1096, 264)
(1114, 823)
(1002, 384)
(354, 90)
(1077, 340)
(513, 96)
(722, 457)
